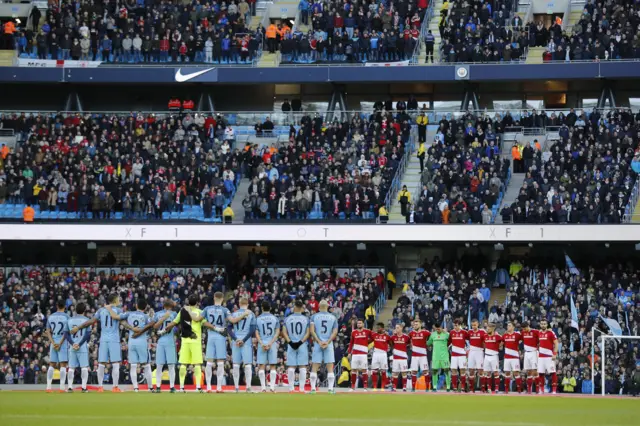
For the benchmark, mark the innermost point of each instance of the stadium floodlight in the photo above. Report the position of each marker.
(604, 338)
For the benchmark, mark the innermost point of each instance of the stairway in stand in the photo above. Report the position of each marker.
(433, 26)
(535, 55)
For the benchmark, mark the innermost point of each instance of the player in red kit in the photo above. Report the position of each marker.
(512, 341)
(530, 343)
(458, 338)
(491, 367)
(379, 361)
(358, 350)
(419, 360)
(476, 352)
(548, 351)
(399, 366)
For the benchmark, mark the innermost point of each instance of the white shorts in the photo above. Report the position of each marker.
(546, 365)
(399, 366)
(475, 360)
(531, 360)
(511, 364)
(379, 361)
(458, 363)
(491, 364)
(359, 362)
(419, 363)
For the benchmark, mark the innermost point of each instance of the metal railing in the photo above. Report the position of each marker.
(396, 183)
(629, 211)
(424, 28)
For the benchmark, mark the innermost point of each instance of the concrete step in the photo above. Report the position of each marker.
(6, 57)
(498, 295)
(267, 60)
(535, 55)
(387, 312)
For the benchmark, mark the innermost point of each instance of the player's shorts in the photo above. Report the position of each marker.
(138, 353)
(61, 355)
(399, 366)
(379, 361)
(190, 352)
(531, 360)
(166, 354)
(323, 356)
(511, 364)
(440, 364)
(359, 362)
(109, 352)
(242, 354)
(269, 357)
(458, 362)
(491, 364)
(476, 359)
(298, 357)
(419, 363)
(78, 359)
(546, 365)
(216, 348)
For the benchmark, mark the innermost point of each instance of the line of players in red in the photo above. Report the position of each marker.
(473, 353)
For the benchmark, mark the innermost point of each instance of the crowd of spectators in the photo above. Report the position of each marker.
(139, 31)
(352, 32)
(328, 170)
(442, 292)
(606, 31)
(481, 31)
(29, 296)
(463, 173)
(587, 176)
(133, 166)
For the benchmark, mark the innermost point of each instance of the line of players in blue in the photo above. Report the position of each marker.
(69, 338)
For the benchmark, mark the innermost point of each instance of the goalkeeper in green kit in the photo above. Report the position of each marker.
(440, 359)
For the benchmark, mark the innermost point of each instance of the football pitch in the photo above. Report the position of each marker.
(41, 409)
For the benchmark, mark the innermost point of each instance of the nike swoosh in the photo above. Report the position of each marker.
(180, 78)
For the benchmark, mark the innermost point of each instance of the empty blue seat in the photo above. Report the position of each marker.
(63, 215)
(165, 215)
(175, 215)
(45, 215)
(119, 215)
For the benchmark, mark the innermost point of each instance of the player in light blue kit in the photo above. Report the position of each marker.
(57, 329)
(138, 323)
(267, 333)
(109, 350)
(217, 319)
(79, 351)
(296, 334)
(324, 329)
(166, 348)
(242, 348)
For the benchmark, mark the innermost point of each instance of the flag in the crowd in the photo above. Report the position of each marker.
(626, 317)
(614, 326)
(469, 317)
(574, 315)
(571, 265)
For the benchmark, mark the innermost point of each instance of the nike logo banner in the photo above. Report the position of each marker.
(181, 78)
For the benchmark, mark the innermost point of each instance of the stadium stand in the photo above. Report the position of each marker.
(144, 32)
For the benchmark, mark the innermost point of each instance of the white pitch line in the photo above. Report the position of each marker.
(262, 419)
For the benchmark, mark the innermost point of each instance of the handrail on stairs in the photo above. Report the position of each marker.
(396, 183)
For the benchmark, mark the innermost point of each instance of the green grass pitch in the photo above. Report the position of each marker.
(41, 409)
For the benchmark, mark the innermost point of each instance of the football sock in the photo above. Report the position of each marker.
(182, 374)
(303, 379)
(159, 376)
(133, 372)
(291, 376)
(529, 384)
(172, 375)
(427, 381)
(208, 373)
(554, 382)
(472, 383)
(384, 379)
(70, 374)
(50, 377)
(263, 379)
(314, 380)
(63, 377)
(447, 379)
(374, 379)
(365, 380)
(236, 375)
(414, 380)
(507, 384)
(273, 374)
(248, 375)
(354, 380)
(404, 382)
(115, 372)
(331, 378)
(84, 375)
(463, 383)
(197, 372)
(219, 375)
(454, 381)
(519, 384)
(100, 374)
(148, 375)
(541, 383)
(496, 384)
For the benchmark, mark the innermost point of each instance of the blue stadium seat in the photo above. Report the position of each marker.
(165, 215)
(63, 215)
(45, 215)
(175, 215)
(119, 215)
(72, 215)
